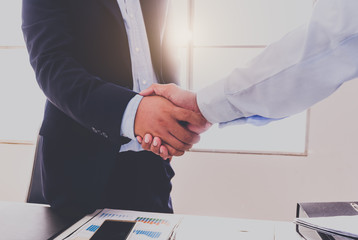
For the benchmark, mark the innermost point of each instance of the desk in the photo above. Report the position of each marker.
(212, 228)
(24, 221)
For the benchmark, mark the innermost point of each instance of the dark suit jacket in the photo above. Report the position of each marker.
(79, 51)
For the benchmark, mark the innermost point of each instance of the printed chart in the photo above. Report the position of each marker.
(149, 226)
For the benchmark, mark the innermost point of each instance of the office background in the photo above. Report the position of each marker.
(247, 185)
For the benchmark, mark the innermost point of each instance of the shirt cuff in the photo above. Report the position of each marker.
(214, 105)
(255, 120)
(133, 145)
(216, 108)
(127, 127)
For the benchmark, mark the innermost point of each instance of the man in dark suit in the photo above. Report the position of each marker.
(82, 53)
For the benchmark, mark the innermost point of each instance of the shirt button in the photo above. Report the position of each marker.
(137, 49)
(132, 16)
(144, 82)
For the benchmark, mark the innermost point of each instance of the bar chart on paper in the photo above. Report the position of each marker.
(92, 228)
(146, 234)
(155, 221)
(106, 215)
(149, 226)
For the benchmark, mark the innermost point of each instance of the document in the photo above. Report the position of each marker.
(151, 226)
(346, 226)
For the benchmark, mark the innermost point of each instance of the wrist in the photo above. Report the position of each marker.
(128, 120)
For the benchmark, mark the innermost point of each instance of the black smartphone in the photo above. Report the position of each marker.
(114, 230)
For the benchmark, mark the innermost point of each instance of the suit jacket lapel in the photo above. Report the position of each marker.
(113, 8)
(150, 10)
(153, 15)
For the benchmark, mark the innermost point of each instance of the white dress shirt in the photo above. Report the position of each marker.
(142, 67)
(292, 74)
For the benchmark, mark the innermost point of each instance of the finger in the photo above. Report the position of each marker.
(139, 139)
(193, 123)
(199, 129)
(147, 141)
(190, 117)
(168, 138)
(172, 135)
(184, 135)
(147, 92)
(174, 139)
(155, 146)
(163, 90)
(164, 152)
(152, 90)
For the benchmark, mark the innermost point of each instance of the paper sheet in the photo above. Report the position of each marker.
(149, 226)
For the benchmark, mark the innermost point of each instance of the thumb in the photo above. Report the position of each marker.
(155, 89)
(198, 129)
(147, 92)
(163, 90)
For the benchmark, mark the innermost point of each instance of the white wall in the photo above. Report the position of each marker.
(15, 171)
(242, 185)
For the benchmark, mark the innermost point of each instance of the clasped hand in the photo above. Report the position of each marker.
(168, 121)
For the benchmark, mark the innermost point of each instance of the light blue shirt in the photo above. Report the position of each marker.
(292, 74)
(142, 67)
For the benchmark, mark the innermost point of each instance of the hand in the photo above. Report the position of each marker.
(159, 117)
(181, 98)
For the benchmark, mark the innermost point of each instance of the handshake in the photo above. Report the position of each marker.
(168, 120)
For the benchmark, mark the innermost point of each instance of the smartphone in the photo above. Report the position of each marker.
(114, 230)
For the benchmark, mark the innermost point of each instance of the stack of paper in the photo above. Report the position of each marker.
(346, 226)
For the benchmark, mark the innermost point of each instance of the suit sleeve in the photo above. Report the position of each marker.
(91, 101)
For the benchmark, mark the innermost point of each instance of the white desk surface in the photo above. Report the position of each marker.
(214, 228)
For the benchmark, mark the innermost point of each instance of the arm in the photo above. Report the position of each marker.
(96, 103)
(289, 76)
(292, 74)
(88, 99)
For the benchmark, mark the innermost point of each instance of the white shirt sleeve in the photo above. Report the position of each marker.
(292, 74)
(127, 126)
